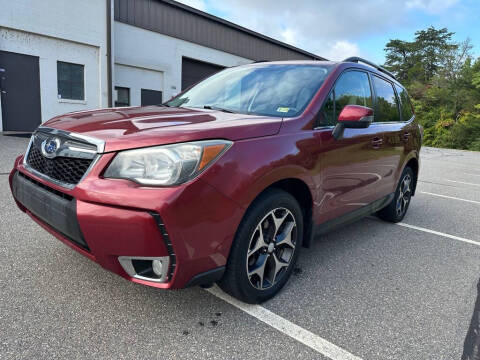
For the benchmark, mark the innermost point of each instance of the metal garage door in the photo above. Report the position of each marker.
(20, 91)
(151, 97)
(193, 71)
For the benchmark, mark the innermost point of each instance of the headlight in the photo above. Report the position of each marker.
(168, 164)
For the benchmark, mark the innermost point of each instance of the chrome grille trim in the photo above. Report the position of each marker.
(100, 144)
(73, 146)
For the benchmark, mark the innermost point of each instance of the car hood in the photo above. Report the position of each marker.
(127, 128)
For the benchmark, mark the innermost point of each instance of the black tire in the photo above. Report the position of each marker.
(264, 218)
(391, 212)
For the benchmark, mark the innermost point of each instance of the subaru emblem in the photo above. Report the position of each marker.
(50, 147)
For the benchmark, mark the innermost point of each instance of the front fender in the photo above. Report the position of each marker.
(251, 166)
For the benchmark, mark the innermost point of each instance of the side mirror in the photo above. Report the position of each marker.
(353, 117)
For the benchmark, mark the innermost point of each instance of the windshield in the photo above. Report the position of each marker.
(271, 90)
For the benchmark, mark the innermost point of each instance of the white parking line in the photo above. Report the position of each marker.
(463, 182)
(302, 335)
(458, 238)
(449, 197)
(306, 337)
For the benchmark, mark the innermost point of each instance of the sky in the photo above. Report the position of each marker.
(336, 29)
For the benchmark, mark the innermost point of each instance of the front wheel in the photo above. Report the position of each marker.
(265, 248)
(397, 209)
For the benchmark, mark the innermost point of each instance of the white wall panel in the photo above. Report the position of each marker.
(51, 50)
(150, 50)
(136, 79)
(65, 30)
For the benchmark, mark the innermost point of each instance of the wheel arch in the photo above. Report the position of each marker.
(299, 189)
(413, 163)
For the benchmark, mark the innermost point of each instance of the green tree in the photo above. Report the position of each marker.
(444, 82)
(432, 46)
(454, 74)
(402, 57)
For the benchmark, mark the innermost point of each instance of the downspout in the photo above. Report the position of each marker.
(110, 52)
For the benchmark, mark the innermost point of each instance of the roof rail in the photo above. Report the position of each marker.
(357, 59)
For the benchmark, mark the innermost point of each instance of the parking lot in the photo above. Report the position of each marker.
(372, 290)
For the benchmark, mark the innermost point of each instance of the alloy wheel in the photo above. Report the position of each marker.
(271, 248)
(404, 195)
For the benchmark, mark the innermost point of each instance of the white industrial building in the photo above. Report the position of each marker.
(58, 56)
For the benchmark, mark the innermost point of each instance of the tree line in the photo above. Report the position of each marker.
(443, 80)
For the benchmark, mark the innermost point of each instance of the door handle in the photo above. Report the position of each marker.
(376, 142)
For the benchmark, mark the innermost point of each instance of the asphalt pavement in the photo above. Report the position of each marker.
(375, 290)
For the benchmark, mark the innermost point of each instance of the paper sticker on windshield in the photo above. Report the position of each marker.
(283, 109)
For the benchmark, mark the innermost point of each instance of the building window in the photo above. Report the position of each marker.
(123, 96)
(70, 81)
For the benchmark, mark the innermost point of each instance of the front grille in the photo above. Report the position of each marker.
(64, 169)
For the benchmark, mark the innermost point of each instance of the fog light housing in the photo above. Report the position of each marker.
(153, 269)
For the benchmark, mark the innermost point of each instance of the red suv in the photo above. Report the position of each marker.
(228, 180)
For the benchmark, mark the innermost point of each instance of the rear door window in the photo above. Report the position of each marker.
(405, 104)
(387, 103)
(352, 88)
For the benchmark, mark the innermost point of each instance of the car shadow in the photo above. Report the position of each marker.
(471, 346)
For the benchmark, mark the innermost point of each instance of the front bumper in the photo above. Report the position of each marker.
(104, 219)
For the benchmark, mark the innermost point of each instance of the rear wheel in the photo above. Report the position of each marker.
(397, 209)
(265, 248)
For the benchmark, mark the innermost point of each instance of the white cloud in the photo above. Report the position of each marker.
(312, 18)
(340, 50)
(197, 4)
(431, 6)
(289, 36)
(332, 29)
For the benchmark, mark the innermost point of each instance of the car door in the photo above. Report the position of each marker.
(349, 174)
(388, 123)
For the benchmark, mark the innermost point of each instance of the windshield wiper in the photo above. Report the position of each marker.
(213, 107)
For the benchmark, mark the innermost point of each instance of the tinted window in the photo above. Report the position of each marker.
(273, 90)
(352, 88)
(405, 104)
(70, 81)
(387, 108)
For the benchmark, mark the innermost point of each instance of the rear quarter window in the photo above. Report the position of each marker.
(406, 108)
(387, 103)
